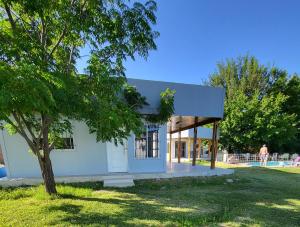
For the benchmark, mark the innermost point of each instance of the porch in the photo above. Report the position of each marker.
(182, 124)
(173, 170)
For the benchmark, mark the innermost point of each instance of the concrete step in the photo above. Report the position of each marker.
(118, 182)
(117, 176)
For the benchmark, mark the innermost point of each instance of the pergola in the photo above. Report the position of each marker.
(177, 124)
(194, 106)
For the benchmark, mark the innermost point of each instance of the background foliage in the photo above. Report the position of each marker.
(261, 106)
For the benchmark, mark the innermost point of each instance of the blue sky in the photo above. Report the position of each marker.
(196, 34)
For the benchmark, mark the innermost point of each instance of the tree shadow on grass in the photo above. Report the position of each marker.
(133, 212)
(74, 217)
(260, 196)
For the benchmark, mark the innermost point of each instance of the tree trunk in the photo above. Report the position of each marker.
(44, 160)
(47, 173)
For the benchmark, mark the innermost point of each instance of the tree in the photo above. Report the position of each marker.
(290, 87)
(254, 112)
(252, 121)
(40, 89)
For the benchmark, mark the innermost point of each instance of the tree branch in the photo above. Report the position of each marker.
(10, 18)
(61, 36)
(23, 133)
(70, 59)
(28, 127)
(24, 26)
(11, 123)
(58, 41)
(42, 31)
(51, 147)
(83, 5)
(13, 23)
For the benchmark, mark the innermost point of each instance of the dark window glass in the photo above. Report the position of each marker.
(141, 146)
(63, 144)
(147, 145)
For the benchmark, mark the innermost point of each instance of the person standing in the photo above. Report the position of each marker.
(263, 155)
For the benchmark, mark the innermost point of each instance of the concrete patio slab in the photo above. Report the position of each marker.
(173, 170)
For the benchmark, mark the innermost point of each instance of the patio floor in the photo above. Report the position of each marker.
(173, 170)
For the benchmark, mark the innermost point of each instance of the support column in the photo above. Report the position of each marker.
(198, 151)
(209, 148)
(195, 146)
(179, 146)
(200, 148)
(170, 148)
(214, 146)
(189, 149)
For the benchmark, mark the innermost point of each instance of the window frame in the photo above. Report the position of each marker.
(147, 147)
(69, 136)
(67, 149)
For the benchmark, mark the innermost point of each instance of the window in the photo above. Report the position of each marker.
(65, 143)
(147, 145)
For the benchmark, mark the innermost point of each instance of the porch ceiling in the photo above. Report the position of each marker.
(181, 123)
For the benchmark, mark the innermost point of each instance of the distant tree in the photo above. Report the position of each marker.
(40, 89)
(290, 87)
(252, 121)
(254, 113)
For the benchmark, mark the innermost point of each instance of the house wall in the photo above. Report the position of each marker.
(148, 165)
(88, 157)
(1, 157)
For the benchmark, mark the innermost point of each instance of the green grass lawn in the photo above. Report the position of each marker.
(257, 197)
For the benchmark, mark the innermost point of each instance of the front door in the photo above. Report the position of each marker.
(117, 158)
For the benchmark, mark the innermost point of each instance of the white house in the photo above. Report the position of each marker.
(194, 105)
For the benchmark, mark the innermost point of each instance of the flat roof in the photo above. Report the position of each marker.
(194, 105)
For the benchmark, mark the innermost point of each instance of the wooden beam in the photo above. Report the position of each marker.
(196, 124)
(179, 146)
(202, 148)
(214, 146)
(209, 148)
(194, 146)
(198, 150)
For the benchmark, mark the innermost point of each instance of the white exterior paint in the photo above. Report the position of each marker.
(148, 165)
(117, 158)
(88, 157)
